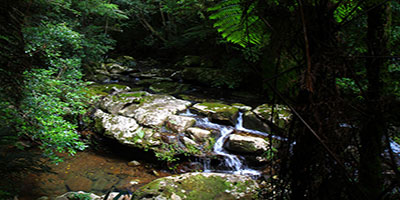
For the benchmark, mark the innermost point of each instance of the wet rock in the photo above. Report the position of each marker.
(156, 73)
(246, 144)
(199, 186)
(179, 124)
(218, 112)
(281, 116)
(115, 68)
(251, 121)
(113, 196)
(133, 163)
(78, 195)
(241, 107)
(169, 87)
(198, 133)
(79, 183)
(126, 61)
(189, 142)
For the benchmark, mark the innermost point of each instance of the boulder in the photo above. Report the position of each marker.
(218, 112)
(251, 121)
(179, 124)
(115, 68)
(125, 60)
(199, 186)
(246, 144)
(126, 130)
(115, 103)
(105, 89)
(154, 73)
(78, 195)
(121, 128)
(133, 163)
(281, 116)
(189, 142)
(155, 109)
(198, 133)
(241, 107)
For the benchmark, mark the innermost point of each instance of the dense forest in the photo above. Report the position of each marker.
(291, 99)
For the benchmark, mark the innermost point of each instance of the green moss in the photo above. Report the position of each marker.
(197, 187)
(133, 94)
(221, 109)
(103, 90)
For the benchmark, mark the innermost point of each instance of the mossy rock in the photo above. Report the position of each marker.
(169, 87)
(126, 60)
(105, 89)
(197, 99)
(218, 111)
(199, 186)
(241, 107)
(281, 116)
(115, 103)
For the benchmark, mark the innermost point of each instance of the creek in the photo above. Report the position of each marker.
(232, 163)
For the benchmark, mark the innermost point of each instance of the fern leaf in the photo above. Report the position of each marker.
(234, 27)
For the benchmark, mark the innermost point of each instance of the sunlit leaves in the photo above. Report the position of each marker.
(236, 26)
(347, 10)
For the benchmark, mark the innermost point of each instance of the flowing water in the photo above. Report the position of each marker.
(233, 163)
(98, 172)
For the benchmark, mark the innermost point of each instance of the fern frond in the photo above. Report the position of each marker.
(234, 27)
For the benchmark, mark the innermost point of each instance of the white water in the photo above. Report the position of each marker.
(232, 162)
(395, 147)
(239, 126)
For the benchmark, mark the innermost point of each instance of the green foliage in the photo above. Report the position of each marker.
(238, 24)
(347, 10)
(270, 153)
(80, 196)
(60, 37)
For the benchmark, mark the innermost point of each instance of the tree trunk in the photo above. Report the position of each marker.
(12, 57)
(373, 127)
(316, 175)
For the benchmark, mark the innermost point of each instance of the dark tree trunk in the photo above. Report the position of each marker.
(315, 174)
(12, 57)
(374, 124)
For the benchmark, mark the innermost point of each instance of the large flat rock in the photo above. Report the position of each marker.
(199, 186)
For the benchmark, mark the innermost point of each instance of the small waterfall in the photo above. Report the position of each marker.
(395, 147)
(231, 161)
(239, 127)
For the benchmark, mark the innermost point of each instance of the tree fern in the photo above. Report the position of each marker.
(238, 24)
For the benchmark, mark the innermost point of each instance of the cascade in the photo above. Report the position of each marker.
(233, 162)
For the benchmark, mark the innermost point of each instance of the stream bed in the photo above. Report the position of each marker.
(89, 171)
